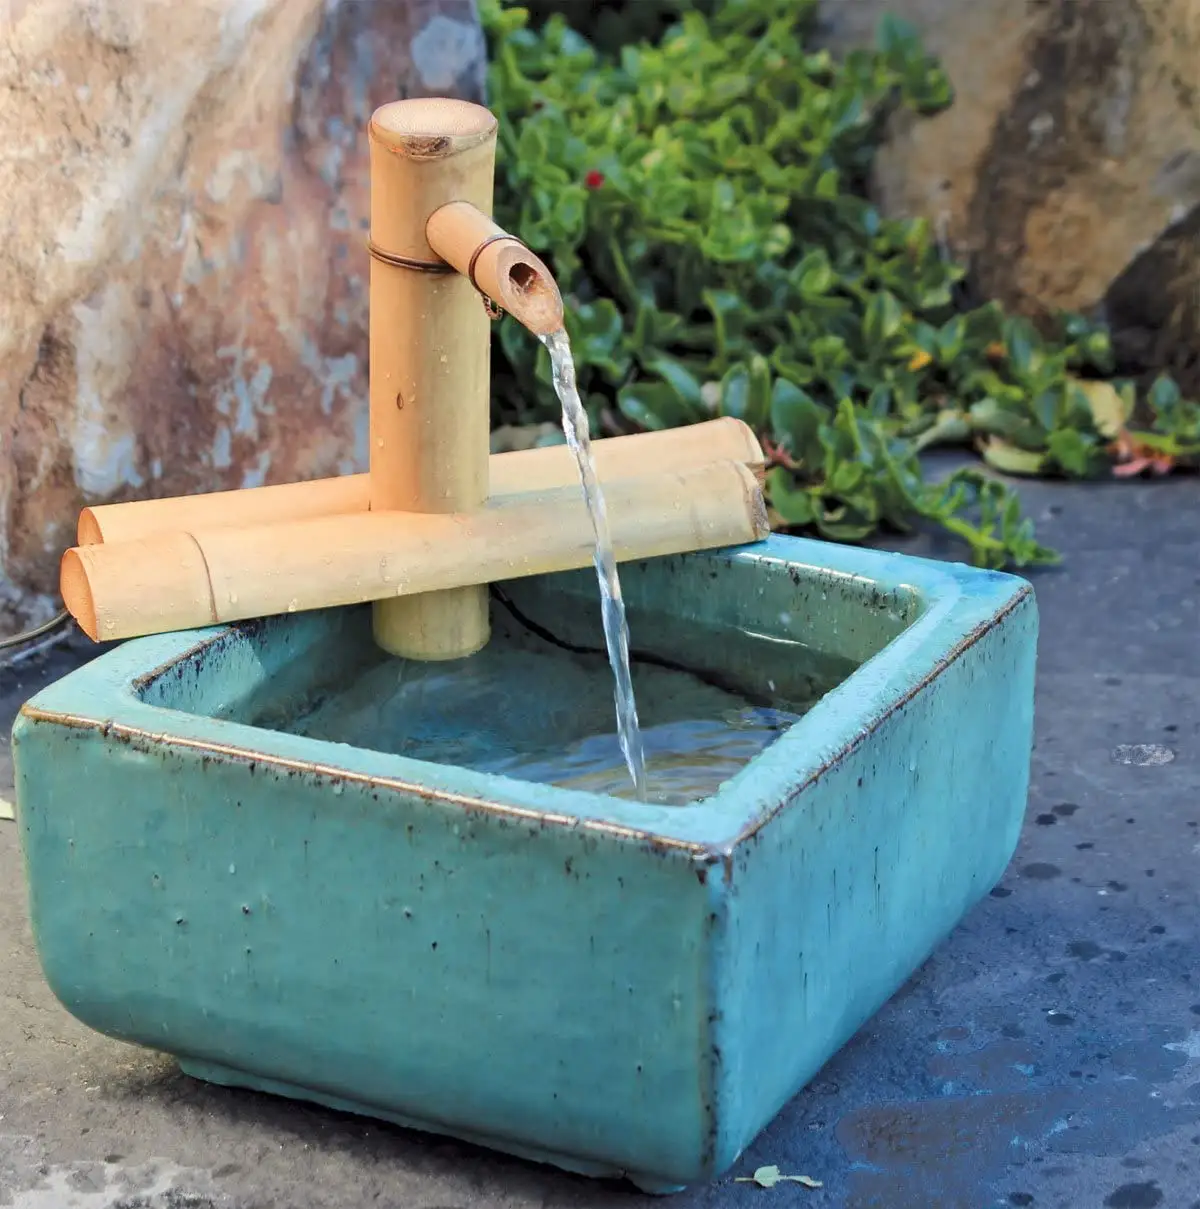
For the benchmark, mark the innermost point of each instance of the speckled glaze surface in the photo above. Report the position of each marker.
(613, 987)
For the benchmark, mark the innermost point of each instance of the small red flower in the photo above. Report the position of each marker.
(594, 179)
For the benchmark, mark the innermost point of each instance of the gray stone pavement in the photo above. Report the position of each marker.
(1048, 1054)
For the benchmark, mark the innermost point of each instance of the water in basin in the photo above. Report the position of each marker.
(533, 707)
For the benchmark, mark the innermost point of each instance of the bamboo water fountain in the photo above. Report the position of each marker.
(418, 932)
(436, 519)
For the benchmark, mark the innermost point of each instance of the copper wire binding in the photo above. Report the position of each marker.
(442, 266)
(494, 312)
(406, 262)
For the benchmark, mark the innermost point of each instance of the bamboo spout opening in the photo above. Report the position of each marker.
(533, 298)
(523, 277)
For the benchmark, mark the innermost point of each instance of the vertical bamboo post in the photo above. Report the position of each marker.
(430, 353)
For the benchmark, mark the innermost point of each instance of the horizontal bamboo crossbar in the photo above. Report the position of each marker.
(179, 580)
(676, 449)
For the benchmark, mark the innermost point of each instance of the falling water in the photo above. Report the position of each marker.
(612, 607)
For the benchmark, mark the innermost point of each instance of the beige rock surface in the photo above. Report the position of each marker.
(183, 192)
(1073, 144)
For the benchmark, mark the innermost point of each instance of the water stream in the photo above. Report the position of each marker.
(612, 607)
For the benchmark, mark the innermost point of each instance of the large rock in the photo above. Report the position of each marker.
(1073, 145)
(182, 272)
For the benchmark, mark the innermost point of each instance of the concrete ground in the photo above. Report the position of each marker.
(1047, 1055)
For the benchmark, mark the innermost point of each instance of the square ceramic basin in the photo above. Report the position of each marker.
(610, 986)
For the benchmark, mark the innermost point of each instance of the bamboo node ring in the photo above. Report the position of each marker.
(442, 266)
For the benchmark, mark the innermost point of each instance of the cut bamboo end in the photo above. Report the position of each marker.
(90, 530)
(433, 127)
(674, 449)
(497, 264)
(178, 581)
(164, 585)
(76, 589)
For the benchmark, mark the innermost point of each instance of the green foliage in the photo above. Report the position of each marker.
(701, 199)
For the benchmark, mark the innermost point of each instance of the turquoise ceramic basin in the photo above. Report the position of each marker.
(609, 986)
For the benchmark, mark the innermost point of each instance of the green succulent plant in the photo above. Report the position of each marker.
(701, 196)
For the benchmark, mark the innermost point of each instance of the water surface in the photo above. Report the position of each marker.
(525, 707)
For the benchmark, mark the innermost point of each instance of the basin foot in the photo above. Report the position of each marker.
(227, 1076)
(652, 1186)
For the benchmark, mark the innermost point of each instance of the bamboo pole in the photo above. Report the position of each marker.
(674, 449)
(173, 581)
(430, 353)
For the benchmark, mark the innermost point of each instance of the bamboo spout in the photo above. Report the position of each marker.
(497, 264)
